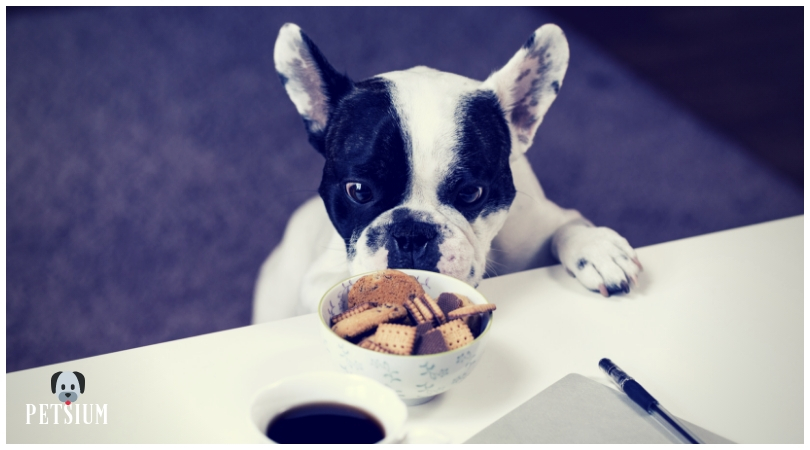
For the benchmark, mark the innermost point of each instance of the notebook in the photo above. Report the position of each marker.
(577, 410)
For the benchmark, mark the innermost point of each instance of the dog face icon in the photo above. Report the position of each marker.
(67, 386)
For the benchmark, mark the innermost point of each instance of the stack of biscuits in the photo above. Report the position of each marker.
(389, 312)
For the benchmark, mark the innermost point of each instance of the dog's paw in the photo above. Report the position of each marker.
(599, 258)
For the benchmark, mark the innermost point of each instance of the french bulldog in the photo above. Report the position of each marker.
(427, 170)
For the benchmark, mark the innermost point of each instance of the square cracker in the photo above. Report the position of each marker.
(456, 334)
(368, 320)
(395, 338)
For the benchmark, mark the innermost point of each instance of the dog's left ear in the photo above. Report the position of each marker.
(80, 377)
(313, 85)
(528, 84)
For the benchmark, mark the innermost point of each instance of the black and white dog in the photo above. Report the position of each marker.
(427, 170)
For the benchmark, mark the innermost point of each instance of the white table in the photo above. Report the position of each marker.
(715, 332)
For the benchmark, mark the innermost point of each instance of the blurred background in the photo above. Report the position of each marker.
(153, 158)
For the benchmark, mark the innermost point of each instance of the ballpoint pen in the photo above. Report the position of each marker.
(639, 395)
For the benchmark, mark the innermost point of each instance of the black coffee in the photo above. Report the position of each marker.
(325, 423)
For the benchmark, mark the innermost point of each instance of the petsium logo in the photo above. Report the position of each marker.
(68, 387)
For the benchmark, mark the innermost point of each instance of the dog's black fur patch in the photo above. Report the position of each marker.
(483, 152)
(364, 143)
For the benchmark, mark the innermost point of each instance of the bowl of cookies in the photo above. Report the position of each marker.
(418, 332)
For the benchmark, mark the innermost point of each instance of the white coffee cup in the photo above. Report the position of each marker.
(356, 391)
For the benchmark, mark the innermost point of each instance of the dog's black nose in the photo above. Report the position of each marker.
(413, 236)
(410, 243)
(67, 395)
(413, 245)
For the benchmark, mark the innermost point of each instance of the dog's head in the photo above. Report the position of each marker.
(67, 386)
(417, 168)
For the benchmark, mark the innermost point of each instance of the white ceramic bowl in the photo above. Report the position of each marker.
(416, 379)
(331, 387)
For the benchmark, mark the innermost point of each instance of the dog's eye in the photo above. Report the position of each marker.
(359, 192)
(470, 194)
(72, 387)
(63, 387)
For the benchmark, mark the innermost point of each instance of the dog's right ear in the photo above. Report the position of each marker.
(528, 84)
(313, 85)
(53, 382)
